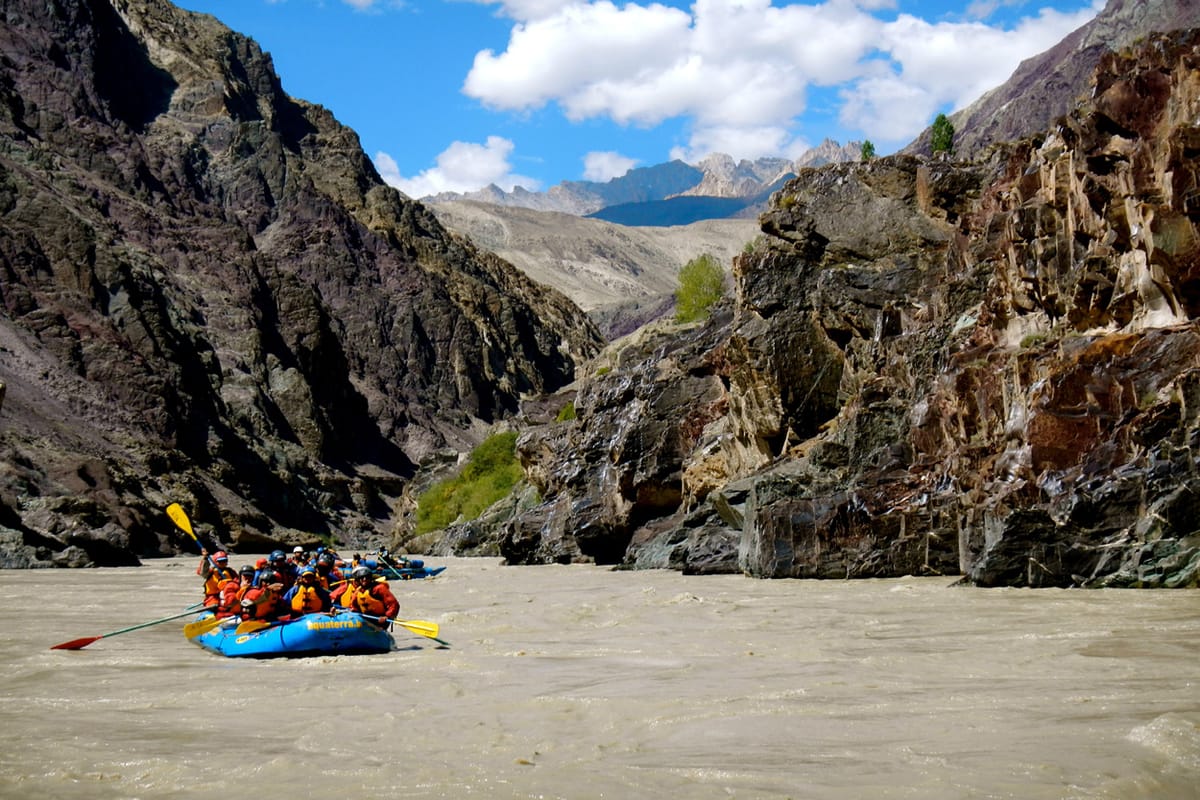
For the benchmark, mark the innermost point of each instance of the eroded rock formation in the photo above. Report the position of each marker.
(987, 369)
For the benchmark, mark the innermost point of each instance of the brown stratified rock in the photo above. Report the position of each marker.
(208, 295)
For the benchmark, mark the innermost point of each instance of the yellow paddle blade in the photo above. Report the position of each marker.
(200, 626)
(180, 518)
(250, 626)
(423, 627)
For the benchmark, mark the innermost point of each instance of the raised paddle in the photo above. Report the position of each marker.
(180, 518)
(79, 644)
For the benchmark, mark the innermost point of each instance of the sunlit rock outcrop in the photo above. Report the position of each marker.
(986, 369)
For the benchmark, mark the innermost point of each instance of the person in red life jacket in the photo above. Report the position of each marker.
(369, 598)
(215, 571)
(232, 591)
(308, 596)
(262, 601)
(249, 576)
(328, 575)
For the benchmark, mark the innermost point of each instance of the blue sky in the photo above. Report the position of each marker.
(453, 95)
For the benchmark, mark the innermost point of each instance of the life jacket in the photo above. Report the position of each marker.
(363, 601)
(230, 598)
(259, 603)
(245, 586)
(330, 579)
(213, 582)
(307, 600)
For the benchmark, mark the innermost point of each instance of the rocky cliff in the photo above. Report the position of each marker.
(988, 369)
(208, 295)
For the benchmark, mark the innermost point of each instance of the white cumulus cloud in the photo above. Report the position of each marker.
(603, 166)
(461, 167)
(740, 71)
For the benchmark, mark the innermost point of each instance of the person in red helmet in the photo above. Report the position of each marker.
(216, 573)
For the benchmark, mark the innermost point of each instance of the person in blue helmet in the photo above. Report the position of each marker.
(278, 570)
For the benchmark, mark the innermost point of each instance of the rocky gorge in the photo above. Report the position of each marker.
(984, 368)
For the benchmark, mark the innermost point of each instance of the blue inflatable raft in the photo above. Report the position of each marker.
(411, 569)
(340, 633)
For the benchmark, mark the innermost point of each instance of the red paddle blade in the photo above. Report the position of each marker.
(76, 644)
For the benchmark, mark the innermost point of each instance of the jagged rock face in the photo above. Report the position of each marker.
(983, 369)
(210, 296)
(724, 177)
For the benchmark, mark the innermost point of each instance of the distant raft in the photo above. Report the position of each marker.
(407, 570)
(328, 634)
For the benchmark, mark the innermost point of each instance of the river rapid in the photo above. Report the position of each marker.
(581, 682)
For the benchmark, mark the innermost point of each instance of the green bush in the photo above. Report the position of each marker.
(754, 245)
(567, 413)
(941, 137)
(868, 150)
(701, 283)
(490, 474)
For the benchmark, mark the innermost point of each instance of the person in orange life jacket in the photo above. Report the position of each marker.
(248, 575)
(262, 601)
(327, 574)
(362, 594)
(232, 592)
(308, 596)
(215, 571)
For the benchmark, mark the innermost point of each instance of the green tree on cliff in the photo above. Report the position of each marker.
(941, 137)
(868, 150)
(701, 283)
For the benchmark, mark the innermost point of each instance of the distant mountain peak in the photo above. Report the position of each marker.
(716, 175)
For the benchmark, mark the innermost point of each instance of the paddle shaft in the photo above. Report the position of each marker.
(79, 644)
